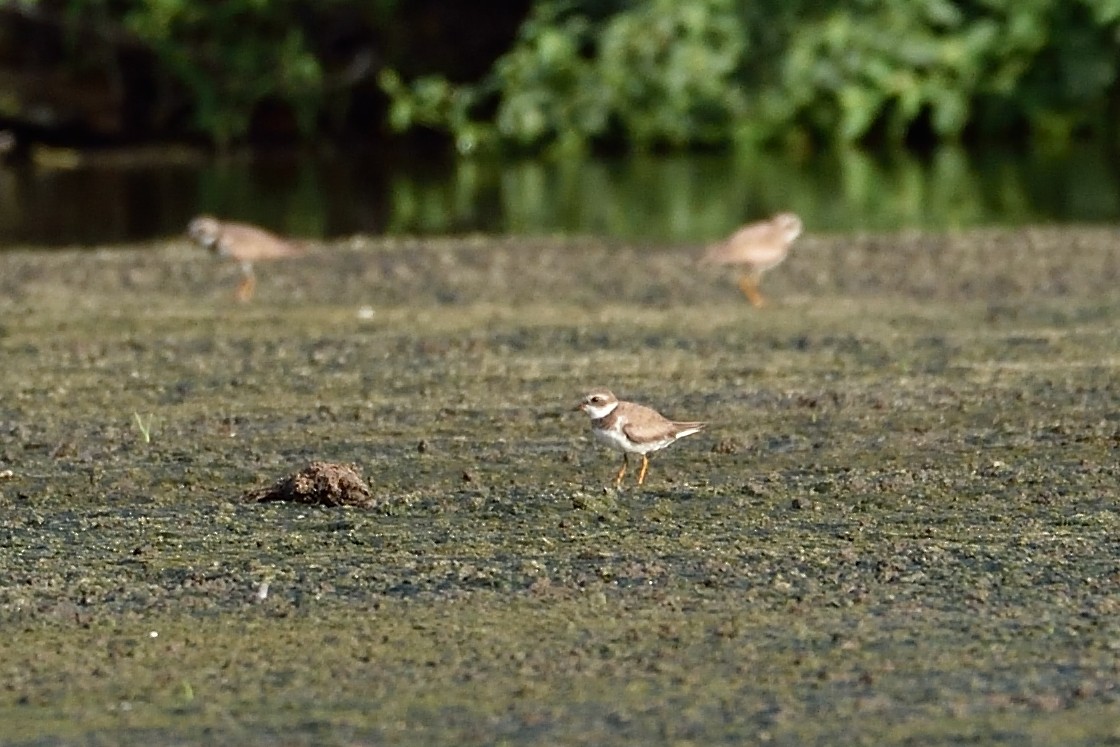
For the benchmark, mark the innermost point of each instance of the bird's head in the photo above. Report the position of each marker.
(205, 231)
(598, 403)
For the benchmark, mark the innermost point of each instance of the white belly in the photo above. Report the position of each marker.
(618, 441)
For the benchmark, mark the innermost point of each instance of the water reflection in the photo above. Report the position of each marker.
(673, 198)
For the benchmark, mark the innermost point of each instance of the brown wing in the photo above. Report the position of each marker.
(249, 243)
(646, 424)
(754, 242)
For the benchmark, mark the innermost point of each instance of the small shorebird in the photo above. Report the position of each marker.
(760, 246)
(631, 428)
(242, 243)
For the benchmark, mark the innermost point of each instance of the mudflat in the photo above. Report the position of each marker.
(900, 526)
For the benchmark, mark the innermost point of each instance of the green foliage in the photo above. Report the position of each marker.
(665, 73)
(433, 101)
(884, 59)
(1073, 79)
(231, 56)
(893, 62)
(661, 72)
(668, 69)
(669, 73)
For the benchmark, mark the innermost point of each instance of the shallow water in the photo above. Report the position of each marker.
(98, 198)
(900, 524)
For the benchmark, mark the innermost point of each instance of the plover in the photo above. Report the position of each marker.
(242, 243)
(631, 428)
(760, 247)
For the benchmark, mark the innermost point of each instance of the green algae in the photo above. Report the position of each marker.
(900, 526)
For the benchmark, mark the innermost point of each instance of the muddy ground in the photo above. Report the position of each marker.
(900, 527)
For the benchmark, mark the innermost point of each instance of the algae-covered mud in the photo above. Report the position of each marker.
(900, 525)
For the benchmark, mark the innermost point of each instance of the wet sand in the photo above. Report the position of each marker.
(899, 527)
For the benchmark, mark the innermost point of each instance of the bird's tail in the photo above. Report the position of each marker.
(687, 429)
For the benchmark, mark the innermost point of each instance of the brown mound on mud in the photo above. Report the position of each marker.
(318, 484)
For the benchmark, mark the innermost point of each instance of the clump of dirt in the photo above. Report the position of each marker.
(318, 484)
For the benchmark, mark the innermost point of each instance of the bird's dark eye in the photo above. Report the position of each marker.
(596, 400)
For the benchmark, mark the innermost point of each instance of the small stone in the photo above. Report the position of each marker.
(726, 446)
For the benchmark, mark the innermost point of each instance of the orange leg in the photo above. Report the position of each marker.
(749, 285)
(622, 472)
(645, 468)
(246, 287)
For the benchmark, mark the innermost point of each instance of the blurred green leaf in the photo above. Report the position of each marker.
(674, 74)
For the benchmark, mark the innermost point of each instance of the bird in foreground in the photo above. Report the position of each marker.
(631, 428)
(242, 243)
(760, 247)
